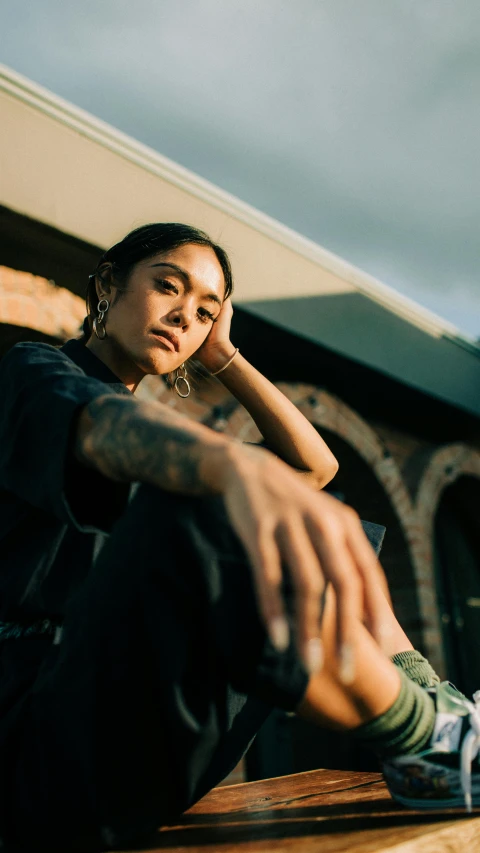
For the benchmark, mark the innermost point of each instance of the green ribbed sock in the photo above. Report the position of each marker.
(416, 668)
(405, 728)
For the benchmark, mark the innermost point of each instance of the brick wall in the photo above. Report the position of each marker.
(35, 303)
(407, 475)
(389, 476)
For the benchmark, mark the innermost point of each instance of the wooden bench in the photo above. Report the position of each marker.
(329, 811)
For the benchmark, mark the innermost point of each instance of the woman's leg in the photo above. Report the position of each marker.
(162, 677)
(373, 689)
(395, 643)
(381, 706)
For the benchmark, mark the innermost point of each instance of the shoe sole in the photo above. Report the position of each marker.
(433, 805)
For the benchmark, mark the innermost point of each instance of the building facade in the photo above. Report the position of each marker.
(393, 389)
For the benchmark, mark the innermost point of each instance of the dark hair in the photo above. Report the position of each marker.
(143, 243)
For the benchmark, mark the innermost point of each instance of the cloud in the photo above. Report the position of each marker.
(355, 123)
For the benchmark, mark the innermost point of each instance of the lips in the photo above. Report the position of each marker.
(168, 338)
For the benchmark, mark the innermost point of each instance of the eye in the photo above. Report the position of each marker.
(167, 286)
(205, 316)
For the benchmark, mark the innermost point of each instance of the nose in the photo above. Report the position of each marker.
(181, 315)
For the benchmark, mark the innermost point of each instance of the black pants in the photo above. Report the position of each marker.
(161, 679)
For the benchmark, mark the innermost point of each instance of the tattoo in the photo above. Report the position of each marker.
(131, 440)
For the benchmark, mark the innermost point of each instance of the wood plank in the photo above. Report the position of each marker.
(325, 810)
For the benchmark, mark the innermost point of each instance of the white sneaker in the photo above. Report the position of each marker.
(447, 773)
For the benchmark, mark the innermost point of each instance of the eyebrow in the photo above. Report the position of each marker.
(184, 274)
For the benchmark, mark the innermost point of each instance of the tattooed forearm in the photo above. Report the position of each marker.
(132, 441)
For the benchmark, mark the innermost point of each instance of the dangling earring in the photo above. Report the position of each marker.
(182, 377)
(99, 322)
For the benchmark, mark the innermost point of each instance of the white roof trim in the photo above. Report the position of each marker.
(147, 158)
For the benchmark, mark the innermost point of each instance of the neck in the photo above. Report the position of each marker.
(117, 360)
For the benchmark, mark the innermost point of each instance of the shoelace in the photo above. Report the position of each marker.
(469, 751)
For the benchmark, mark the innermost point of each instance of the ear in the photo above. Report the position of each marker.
(104, 281)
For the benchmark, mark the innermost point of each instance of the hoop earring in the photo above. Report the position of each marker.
(182, 377)
(99, 322)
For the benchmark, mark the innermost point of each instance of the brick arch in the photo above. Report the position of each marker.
(443, 467)
(34, 303)
(326, 411)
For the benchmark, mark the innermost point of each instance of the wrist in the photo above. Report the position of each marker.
(229, 461)
(218, 464)
(219, 357)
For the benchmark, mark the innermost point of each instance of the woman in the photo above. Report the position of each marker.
(161, 583)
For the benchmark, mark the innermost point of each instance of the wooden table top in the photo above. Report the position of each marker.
(331, 811)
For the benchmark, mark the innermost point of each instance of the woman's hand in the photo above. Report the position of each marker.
(218, 348)
(283, 525)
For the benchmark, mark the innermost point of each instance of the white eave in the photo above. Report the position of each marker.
(150, 161)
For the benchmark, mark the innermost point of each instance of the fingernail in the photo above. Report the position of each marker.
(279, 633)
(347, 665)
(314, 655)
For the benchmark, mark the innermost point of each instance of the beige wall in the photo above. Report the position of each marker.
(63, 167)
(58, 175)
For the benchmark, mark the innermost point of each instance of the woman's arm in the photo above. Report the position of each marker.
(286, 431)
(278, 519)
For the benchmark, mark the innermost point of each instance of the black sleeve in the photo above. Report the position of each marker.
(41, 394)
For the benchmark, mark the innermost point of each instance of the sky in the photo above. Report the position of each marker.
(354, 122)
